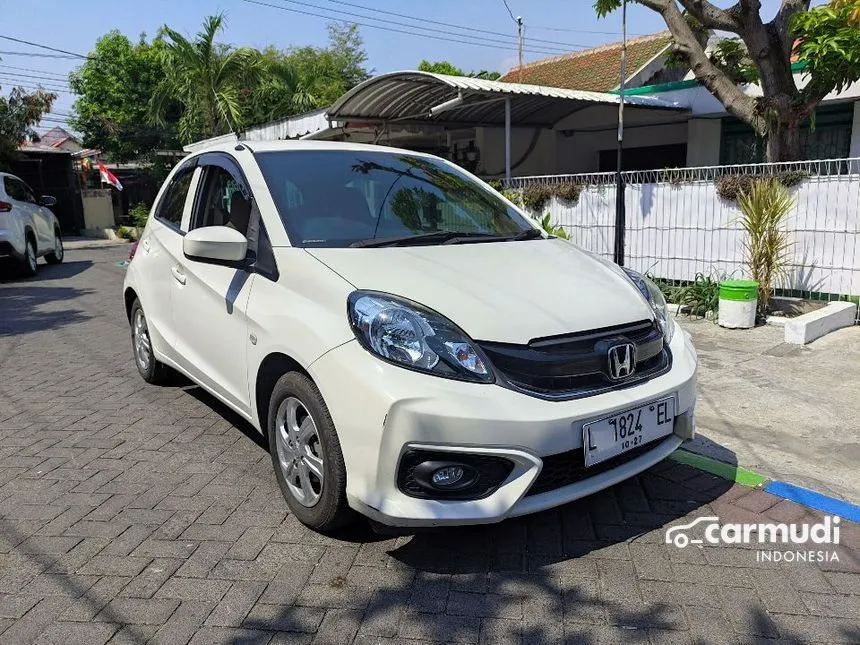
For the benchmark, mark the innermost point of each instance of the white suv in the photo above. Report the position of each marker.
(28, 230)
(412, 347)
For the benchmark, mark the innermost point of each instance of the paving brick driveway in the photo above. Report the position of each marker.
(139, 514)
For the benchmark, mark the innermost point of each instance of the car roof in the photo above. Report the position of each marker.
(276, 145)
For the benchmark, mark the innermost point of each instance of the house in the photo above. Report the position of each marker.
(563, 117)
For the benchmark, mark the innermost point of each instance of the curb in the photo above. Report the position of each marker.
(744, 477)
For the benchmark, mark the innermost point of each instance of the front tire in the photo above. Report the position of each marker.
(306, 454)
(56, 255)
(149, 368)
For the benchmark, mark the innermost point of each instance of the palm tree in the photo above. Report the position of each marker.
(207, 79)
(282, 91)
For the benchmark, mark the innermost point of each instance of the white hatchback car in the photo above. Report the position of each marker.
(413, 348)
(28, 230)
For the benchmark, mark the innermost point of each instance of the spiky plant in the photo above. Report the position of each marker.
(764, 208)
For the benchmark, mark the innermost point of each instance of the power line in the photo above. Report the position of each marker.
(39, 71)
(549, 50)
(511, 13)
(448, 24)
(33, 77)
(41, 46)
(584, 31)
(27, 86)
(507, 46)
(34, 54)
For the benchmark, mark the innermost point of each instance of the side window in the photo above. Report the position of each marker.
(223, 202)
(173, 202)
(17, 190)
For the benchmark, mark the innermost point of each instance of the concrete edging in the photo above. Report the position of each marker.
(808, 327)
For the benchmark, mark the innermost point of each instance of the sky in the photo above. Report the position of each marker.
(74, 25)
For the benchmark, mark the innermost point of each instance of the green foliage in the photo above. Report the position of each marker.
(125, 233)
(18, 114)
(828, 40)
(764, 208)
(667, 287)
(553, 229)
(445, 67)
(207, 79)
(325, 73)
(535, 196)
(731, 56)
(113, 89)
(139, 214)
(702, 295)
(731, 186)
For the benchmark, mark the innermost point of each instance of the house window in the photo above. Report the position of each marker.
(830, 138)
(644, 158)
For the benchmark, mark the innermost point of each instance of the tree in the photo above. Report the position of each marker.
(325, 73)
(207, 79)
(827, 39)
(113, 89)
(444, 67)
(18, 114)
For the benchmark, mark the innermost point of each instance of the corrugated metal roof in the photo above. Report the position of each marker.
(408, 97)
(291, 127)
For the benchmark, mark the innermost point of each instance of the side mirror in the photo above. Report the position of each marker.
(216, 244)
(47, 200)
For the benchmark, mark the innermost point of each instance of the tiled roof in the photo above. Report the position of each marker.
(594, 69)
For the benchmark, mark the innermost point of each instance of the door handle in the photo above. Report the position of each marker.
(178, 274)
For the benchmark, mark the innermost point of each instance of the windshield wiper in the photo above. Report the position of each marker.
(421, 238)
(528, 234)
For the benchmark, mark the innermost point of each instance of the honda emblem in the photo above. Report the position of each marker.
(622, 361)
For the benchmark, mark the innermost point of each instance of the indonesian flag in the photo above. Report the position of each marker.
(108, 177)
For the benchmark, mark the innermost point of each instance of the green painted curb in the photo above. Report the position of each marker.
(721, 469)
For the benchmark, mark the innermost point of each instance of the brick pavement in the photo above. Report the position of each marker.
(139, 514)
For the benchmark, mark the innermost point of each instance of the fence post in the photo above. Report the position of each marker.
(620, 220)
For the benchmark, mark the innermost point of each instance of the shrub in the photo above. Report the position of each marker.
(764, 208)
(125, 233)
(731, 186)
(702, 295)
(553, 229)
(139, 214)
(667, 288)
(535, 196)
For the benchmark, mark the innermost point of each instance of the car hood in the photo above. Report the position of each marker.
(510, 292)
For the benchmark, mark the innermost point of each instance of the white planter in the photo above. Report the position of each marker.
(737, 314)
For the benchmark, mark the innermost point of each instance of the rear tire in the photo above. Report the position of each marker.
(306, 454)
(28, 264)
(57, 254)
(150, 369)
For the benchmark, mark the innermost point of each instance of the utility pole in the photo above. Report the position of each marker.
(520, 46)
(620, 213)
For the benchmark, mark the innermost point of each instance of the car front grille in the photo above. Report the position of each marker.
(576, 365)
(569, 467)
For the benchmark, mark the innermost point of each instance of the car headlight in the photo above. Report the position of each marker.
(652, 294)
(413, 336)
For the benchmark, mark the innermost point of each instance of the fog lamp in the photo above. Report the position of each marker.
(447, 476)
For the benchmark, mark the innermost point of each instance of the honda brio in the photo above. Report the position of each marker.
(411, 345)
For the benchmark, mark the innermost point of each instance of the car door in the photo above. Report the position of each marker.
(210, 300)
(43, 220)
(19, 194)
(160, 250)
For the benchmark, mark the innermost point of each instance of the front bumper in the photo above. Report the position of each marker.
(381, 410)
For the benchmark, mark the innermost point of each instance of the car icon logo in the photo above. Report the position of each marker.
(677, 536)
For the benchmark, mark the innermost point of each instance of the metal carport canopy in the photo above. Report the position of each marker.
(410, 97)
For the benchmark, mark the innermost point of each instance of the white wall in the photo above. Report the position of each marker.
(581, 152)
(703, 142)
(676, 230)
(542, 160)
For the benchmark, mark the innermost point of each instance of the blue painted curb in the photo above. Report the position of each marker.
(814, 500)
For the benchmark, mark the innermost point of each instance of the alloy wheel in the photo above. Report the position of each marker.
(300, 453)
(142, 345)
(58, 247)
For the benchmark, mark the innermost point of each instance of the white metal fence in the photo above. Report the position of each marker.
(678, 225)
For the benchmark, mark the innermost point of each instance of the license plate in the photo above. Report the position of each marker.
(619, 433)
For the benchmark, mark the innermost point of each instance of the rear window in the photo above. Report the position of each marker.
(334, 198)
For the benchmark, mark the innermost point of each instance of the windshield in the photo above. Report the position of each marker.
(340, 198)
